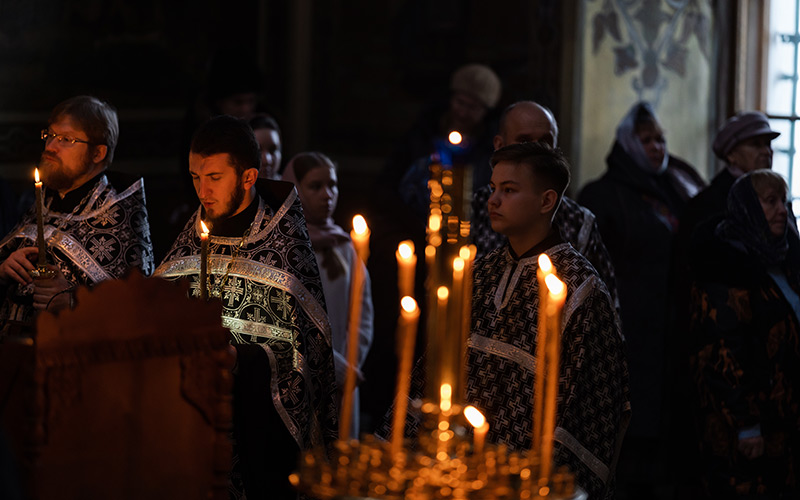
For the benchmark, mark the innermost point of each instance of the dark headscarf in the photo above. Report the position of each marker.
(746, 228)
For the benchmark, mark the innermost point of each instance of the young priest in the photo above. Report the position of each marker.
(528, 183)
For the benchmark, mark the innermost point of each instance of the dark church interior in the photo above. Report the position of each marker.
(372, 86)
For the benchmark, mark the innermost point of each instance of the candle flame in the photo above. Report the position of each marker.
(474, 416)
(435, 222)
(458, 264)
(203, 227)
(454, 137)
(544, 263)
(408, 304)
(442, 293)
(555, 285)
(446, 392)
(360, 225)
(406, 249)
(465, 252)
(430, 251)
(36, 175)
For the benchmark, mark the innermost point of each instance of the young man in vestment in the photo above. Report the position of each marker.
(261, 266)
(528, 183)
(95, 222)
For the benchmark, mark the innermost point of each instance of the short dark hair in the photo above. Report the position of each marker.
(263, 120)
(547, 164)
(225, 134)
(97, 118)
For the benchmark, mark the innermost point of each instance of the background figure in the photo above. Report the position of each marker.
(314, 174)
(637, 203)
(744, 143)
(268, 135)
(745, 312)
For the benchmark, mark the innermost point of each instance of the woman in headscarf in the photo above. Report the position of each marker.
(638, 202)
(745, 310)
(314, 175)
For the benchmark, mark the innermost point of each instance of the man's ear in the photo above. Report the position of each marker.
(99, 153)
(549, 201)
(249, 177)
(497, 142)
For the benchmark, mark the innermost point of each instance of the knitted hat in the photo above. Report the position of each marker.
(741, 127)
(479, 81)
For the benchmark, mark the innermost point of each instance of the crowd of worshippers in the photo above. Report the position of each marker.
(680, 348)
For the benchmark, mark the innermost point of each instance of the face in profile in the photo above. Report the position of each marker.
(773, 203)
(269, 144)
(62, 163)
(319, 193)
(516, 200)
(655, 145)
(219, 188)
(752, 154)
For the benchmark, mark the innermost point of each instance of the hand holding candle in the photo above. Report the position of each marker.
(360, 237)
(203, 261)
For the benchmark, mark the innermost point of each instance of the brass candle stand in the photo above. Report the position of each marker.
(444, 466)
(42, 272)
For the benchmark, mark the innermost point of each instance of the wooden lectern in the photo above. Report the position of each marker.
(127, 396)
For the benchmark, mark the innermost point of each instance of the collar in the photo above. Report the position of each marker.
(71, 200)
(239, 223)
(551, 240)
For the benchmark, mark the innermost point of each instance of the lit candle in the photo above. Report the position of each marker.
(557, 293)
(360, 238)
(407, 333)
(39, 219)
(445, 362)
(481, 427)
(545, 269)
(406, 267)
(203, 261)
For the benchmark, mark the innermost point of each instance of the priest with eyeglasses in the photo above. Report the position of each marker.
(95, 223)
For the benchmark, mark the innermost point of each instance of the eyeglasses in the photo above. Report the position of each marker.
(62, 139)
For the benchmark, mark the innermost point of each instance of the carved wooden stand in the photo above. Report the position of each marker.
(126, 396)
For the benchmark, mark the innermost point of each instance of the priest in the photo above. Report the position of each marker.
(261, 266)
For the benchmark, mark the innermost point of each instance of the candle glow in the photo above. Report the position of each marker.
(454, 137)
(360, 238)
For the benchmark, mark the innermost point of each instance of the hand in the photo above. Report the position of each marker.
(752, 447)
(44, 290)
(19, 264)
